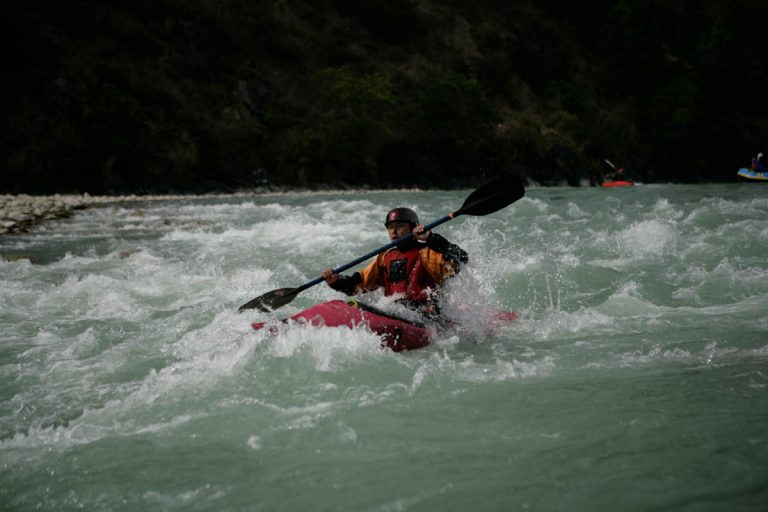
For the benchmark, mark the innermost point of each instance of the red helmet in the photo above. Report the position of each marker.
(402, 215)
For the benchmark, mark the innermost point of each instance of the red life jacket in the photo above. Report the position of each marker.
(404, 274)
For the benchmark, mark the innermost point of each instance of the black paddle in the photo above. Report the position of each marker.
(487, 199)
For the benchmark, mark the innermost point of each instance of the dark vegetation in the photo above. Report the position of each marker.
(198, 95)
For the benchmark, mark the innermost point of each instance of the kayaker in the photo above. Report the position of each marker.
(414, 270)
(757, 163)
(620, 176)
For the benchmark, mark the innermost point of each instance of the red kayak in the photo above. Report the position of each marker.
(616, 183)
(396, 333)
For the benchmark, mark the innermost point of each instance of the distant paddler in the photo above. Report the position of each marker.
(757, 163)
(618, 179)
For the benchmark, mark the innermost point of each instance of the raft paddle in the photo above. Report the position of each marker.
(489, 198)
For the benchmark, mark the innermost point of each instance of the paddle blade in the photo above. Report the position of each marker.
(271, 300)
(493, 196)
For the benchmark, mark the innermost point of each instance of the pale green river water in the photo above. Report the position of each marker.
(636, 378)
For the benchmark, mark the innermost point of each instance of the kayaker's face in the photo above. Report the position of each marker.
(398, 229)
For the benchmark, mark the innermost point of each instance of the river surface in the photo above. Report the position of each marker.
(635, 379)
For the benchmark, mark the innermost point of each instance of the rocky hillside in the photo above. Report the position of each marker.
(200, 95)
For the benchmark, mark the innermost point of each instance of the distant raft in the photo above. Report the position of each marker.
(749, 174)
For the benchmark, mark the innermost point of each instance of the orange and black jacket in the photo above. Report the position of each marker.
(411, 269)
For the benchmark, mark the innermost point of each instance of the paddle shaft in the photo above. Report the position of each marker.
(371, 254)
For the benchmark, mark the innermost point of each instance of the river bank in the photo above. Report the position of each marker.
(19, 213)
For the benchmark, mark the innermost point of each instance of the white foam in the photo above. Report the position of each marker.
(329, 348)
(647, 238)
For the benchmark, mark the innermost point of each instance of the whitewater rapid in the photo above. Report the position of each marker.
(635, 377)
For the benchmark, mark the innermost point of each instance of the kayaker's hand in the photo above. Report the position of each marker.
(329, 276)
(420, 233)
